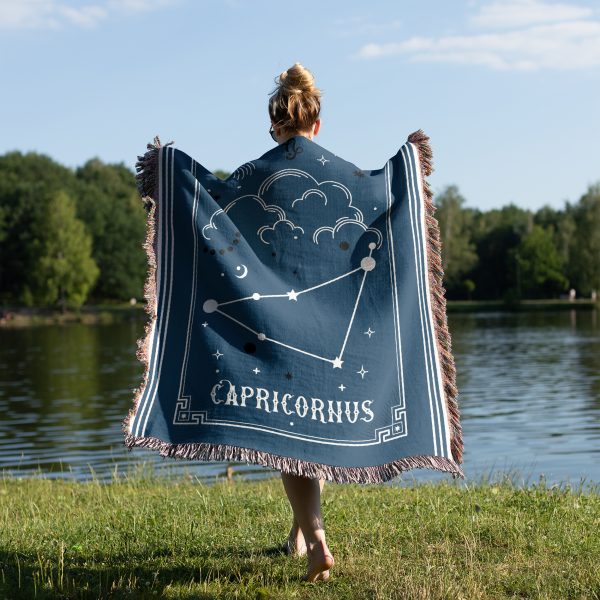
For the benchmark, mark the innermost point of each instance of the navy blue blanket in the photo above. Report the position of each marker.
(297, 315)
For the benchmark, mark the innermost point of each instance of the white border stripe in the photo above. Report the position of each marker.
(170, 254)
(188, 335)
(392, 266)
(418, 270)
(151, 383)
(438, 368)
(415, 176)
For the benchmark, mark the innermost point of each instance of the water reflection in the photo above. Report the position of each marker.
(529, 397)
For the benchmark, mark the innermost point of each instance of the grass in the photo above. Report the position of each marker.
(150, 536)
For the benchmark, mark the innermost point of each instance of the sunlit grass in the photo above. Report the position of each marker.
(148, 535)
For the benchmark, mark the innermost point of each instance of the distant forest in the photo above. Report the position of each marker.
(69, 237)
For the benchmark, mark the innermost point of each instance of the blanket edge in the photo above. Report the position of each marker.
(147, 184)
(437, 295)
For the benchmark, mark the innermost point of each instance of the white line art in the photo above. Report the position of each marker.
(243, 171)
(280, 215)
(366, 264)
(244, 270)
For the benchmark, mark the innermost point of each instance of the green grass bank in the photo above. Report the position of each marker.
(157, 537)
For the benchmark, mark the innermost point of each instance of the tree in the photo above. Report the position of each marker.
(585, 244)
(65, 270)
(540, 266)
(562, 226)
(458, 251)
(25, 180)
(221, 174)
(113, 212)
(497, 231)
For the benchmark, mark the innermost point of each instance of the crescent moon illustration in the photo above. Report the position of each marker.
(245, 268)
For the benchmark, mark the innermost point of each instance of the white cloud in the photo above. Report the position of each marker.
(522, 13)
(560, 38)
(86, 16)
(56, 14)
(138, 5)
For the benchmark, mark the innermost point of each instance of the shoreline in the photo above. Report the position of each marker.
(102, 314)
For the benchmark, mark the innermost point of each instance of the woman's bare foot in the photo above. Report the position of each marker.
(295, 544)
(320, 560)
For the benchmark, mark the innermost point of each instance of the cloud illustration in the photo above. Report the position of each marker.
(255, 209)
(330, 232)
(278, 214)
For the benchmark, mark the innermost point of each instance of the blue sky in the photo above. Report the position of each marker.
(507, 90)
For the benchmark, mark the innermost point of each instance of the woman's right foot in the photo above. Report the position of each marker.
(320, 560)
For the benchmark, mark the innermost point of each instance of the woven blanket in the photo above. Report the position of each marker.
(297, 317)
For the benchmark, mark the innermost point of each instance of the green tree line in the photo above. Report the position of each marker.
(512, 253)
(74, 236)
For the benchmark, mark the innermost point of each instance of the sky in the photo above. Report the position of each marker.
(507, 90)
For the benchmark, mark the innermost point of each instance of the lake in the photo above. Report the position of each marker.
(529, 396)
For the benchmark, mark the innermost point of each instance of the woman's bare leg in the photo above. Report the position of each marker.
(304, 495)
(297, 544)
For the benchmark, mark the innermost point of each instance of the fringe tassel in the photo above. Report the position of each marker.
(147, 185)
(147, 171)
(438, 299)
(225, 452)
(147, 181)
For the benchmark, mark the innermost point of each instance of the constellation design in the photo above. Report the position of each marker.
(367, 264)
(184, 414)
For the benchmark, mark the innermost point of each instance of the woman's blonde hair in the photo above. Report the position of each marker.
(295, 104)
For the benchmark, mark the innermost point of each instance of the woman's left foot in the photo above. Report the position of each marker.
(294, 544)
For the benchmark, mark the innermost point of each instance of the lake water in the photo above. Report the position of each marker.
(529, 396)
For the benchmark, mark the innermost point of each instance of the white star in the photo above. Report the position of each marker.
(362, 371)
(397, 428)
(292, 295)
(256, 370)
(204, 324)
(342, 387)
(217, 354)
(323, 160)
(337, 363)
(369, 332)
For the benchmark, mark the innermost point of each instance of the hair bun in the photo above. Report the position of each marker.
(295, 103)
(297, 80)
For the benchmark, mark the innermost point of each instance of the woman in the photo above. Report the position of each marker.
(294, 108)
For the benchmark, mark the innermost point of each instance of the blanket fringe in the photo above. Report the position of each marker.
(147, 182)
(147, 185)
(295, 466)
(437, 295)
